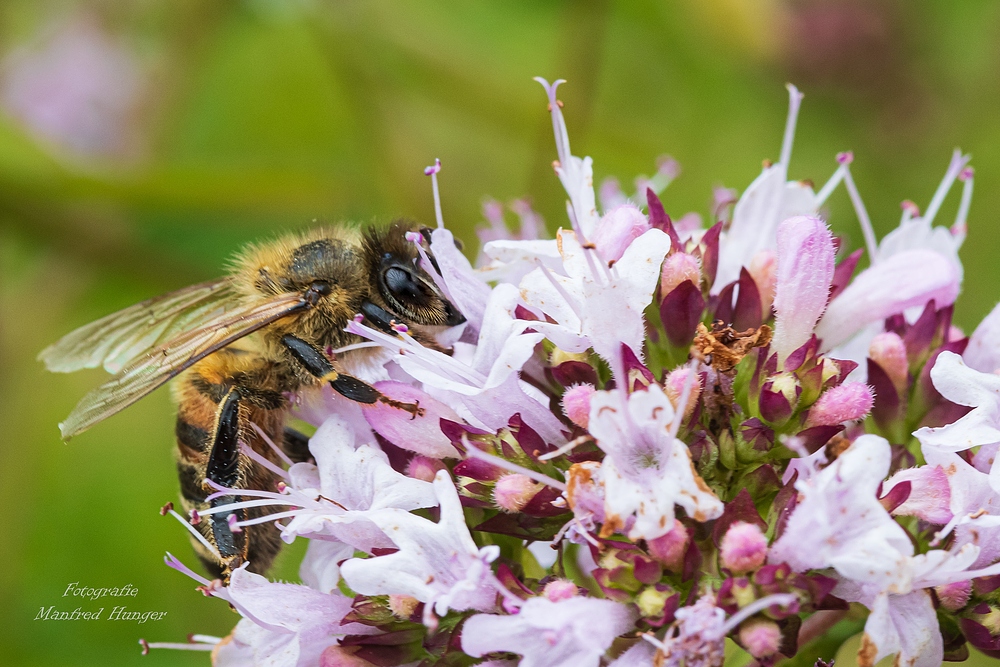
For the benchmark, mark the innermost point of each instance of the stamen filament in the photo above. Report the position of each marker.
(512, 467)
(568, 447)
(958, 162)
(570, 301)
(266, 438)
(784, 599)
(177, 646)
(433, 172)
(244, 504)
(794, 102)
(859, 208)
(194, 531)
(831, 185)
(251, 454)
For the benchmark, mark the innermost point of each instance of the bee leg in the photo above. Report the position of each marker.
(223, 469)
(347, 386)
(296, 445)
(378, 316)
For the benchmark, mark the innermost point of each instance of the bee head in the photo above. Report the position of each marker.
(397, 274)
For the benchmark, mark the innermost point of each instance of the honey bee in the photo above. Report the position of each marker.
(240, 346)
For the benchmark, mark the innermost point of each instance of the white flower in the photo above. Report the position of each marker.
(592, 305)
(346, 487)
(574, 632)
(647, 470)
(983, 351)
(840, 523)
(437, 563)
(965, 386)
(284, 625)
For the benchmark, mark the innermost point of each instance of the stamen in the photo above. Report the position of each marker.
(244, 504)
(831, 185)
(568, 447)
(204, 639)
(355, 346)
(512, 467)
(277, 450)
(955, 167)
(175, 564)
(859, 209)
(251, 454)
(570, 301)
(428, 267)
(794, 102)
(207, 646)
(783, 599)
(558, 123)
(432, 171)
(194, 531)
(959, 228)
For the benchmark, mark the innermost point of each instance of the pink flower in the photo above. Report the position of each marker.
(743, 548)
(805, 273)
(420, 432)
(576, 404)
(437, 563)
(677, 268)
(846, 402)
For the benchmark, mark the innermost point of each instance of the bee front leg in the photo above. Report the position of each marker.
(347, 386)
(224, 470)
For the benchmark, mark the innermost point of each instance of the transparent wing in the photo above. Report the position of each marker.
(156, 366)
(117, 339)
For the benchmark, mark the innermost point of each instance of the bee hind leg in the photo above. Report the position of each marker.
(223, 469)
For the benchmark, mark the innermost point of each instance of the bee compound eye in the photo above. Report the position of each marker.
(401, 283)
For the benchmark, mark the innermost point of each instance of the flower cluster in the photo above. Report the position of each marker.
(651, 436)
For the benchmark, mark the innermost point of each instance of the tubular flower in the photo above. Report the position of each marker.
(647, 437)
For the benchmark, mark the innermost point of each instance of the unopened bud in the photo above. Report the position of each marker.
(669, 549)
(764, 271)
(403, 606)
(674, 386)
(761, 638)
(616, 231)
(676, 269)
(786, 384)
(652, 601)
(888, 350)
(955, 595)
(576, 404)
(424, 468)
(744, 547)
(848, 402)
(560, 589)
(512, 492)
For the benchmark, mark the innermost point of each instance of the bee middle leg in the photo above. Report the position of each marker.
(348, 386)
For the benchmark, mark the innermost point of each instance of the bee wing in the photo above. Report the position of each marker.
(156, 366)
(117, 339)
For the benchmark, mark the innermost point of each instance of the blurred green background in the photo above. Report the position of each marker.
(142, 142)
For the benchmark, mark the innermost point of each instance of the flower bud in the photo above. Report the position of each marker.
(888, 350)
(805, 265)
(764, 271)
(616, 231)
(651, 601)
(761, 638)
(955, 595)
(848, 402)
(576, 404)
(677, 268)
(674, 387)
(560, 589)
(744, 547)
(424, 467)
(669, 549)
(512, 492)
